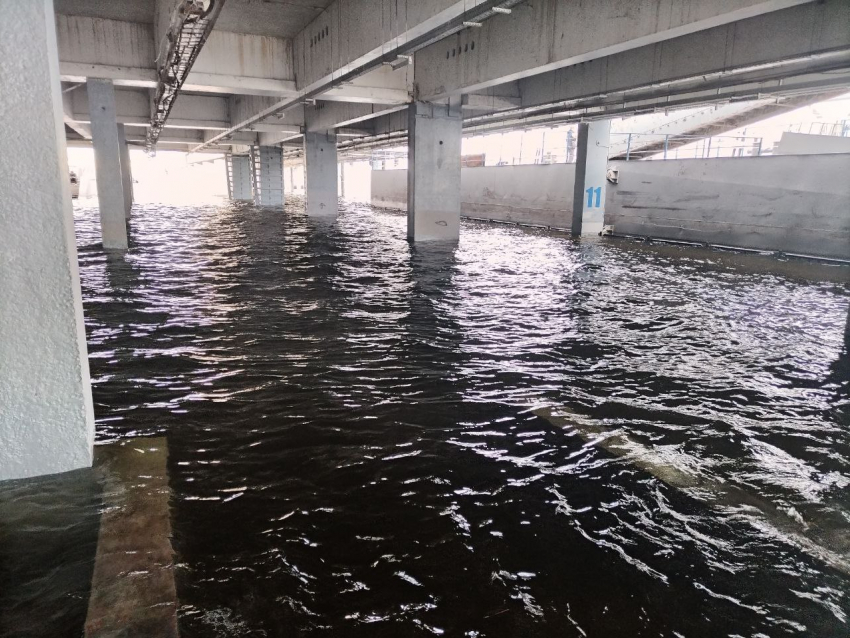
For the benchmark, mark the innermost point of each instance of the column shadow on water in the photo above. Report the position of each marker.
(48, 540)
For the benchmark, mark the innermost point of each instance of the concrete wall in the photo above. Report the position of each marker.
(795, 204)
(530, 194)
(389, 189)
(805, 144)
(540, 194)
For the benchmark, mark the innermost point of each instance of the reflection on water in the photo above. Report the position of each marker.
(369, 438)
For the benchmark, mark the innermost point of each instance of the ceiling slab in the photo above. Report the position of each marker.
(278, 18)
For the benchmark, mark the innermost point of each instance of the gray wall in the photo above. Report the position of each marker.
(792, 203)
(389, 189)
(540, 194)
(805, 144)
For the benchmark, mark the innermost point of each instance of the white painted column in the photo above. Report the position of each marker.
(107, 161)
(433, 175)
(240, 185)
(46, 415)
(320, 174)
(126, 170)
(591, 167)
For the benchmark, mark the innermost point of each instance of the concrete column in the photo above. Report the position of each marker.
(433, 175)
(320, 174)
(46, 415)
(847, 331)
(240, 178)
(126, 170)
(591, 166)
(268, 175)
(107, 162)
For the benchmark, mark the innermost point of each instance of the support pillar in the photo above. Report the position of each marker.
(320, 174)
(847, 332)
(433, 175)
(46, 414)
(107, 161)
(239, 178)
(591, 167)
(126, 170)
(267, 175)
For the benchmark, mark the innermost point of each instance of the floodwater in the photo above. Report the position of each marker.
(523, 435)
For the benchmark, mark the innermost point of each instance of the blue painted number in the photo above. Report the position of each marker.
(590, 193)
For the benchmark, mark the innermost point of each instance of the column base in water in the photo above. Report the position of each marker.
(239, 178)
(433, 175)
(126, 170)
(320, 174)
(267, 173)
(46, 418)
(107, 161)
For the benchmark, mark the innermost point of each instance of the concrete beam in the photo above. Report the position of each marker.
(549, 34)
(777, 38)
(741, 61)
(47, 415)
(325, 116)
(124, 52)
(83, 130)
(383, 85)
(374, 33)
(197, 82)
(477, 102)
(133, 107)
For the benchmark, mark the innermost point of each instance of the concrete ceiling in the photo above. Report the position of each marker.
(279, 18)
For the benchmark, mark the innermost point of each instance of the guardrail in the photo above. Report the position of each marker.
(835, 129)
(622, 147)
(654, 146)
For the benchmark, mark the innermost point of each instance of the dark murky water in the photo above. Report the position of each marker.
(522, 436)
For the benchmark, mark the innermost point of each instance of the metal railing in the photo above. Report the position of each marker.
(655, 146)
(622, 147)
(836, 129)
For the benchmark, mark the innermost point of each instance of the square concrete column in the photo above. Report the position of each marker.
(267, 175)
(320, 174)
(46, 415)
(847, 331)
(107, 163)
(239, 178)
(433, 175)
(126, 169)
(591, 167)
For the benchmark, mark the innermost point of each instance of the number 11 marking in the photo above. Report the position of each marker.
(590, 192)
